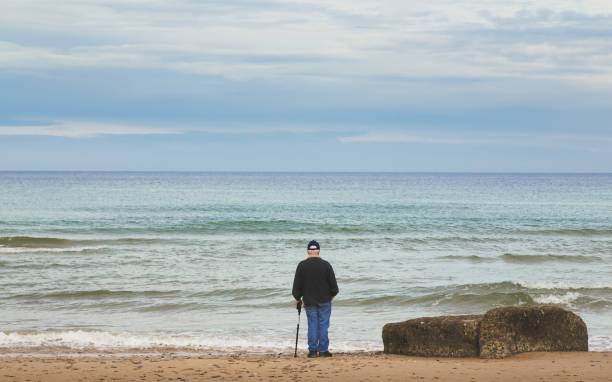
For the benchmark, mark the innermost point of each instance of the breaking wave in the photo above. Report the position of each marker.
(93, 341)
(489, 295)
(56, 342)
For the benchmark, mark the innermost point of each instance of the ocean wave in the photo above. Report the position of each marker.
(565, 285)
(241, 293)
(447, 298)
(69, 250)
(575, 300)
(34, 242)
(93, 294)
(513, 258)
(489, 295)
(173, 300)
(55, 244)
(360, 280)
(57, 341)
(257, 226)
(469, 239)
(568, 232)
(286, 226)
(471, 258)
(169, 307)
(555, 299)
(600, 343)
(35, 266)
(276, 226)
(481, 296)
(529, 286)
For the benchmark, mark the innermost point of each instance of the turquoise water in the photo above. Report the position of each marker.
(205, 261)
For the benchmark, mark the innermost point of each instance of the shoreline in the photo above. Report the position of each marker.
(366, 366)
(181, 353)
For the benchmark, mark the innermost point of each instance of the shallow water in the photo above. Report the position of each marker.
(206, 260)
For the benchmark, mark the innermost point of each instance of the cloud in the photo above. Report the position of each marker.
(564, 142)
(253, 129)
(402, 138)
(314, 38)
(88, 129)
(80, 129)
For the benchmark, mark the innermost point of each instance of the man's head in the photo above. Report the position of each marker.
(313, 248)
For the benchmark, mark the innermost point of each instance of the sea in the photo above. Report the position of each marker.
(203, 262)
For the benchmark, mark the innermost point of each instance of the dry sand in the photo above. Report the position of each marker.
(342, 367)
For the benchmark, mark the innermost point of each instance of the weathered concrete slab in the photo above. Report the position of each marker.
(446, 336)
(511, 330)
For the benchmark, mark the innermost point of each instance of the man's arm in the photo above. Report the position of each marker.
(297, 284)
(333, 285)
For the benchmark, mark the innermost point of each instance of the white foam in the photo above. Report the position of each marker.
(562, 285)
(565, 299)
(600, 343)
(84, 339)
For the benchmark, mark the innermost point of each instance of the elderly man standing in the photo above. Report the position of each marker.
(315, 281)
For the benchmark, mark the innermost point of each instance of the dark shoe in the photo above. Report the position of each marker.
(325, 354)
(312, 354)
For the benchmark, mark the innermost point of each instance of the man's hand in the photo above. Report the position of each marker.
(298, 301)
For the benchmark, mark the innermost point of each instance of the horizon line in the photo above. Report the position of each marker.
(313, 172)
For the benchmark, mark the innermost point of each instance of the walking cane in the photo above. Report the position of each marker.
(298, 306)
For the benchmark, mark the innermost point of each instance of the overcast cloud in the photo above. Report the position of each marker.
(246, 39)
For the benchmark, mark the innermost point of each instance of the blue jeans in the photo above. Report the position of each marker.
(318, 323)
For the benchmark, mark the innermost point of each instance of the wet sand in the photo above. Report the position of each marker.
(578, 366)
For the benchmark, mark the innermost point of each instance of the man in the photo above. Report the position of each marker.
(316, 282)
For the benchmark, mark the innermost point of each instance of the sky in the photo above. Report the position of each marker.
(306, 85)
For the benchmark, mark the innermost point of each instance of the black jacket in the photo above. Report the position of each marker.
(315, 281)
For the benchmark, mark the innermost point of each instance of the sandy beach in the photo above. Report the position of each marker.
(576, 366)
